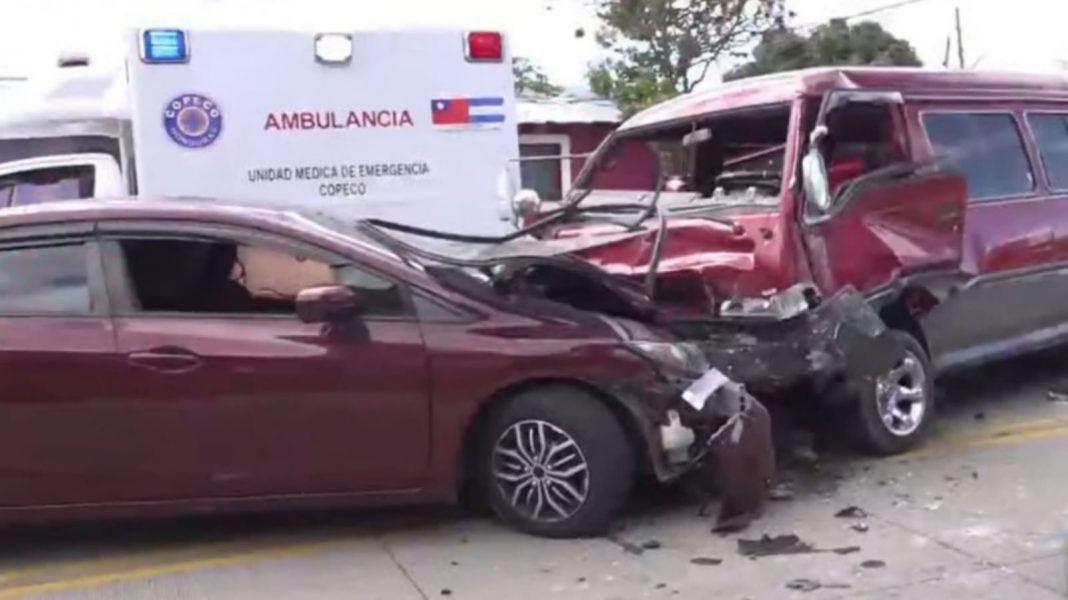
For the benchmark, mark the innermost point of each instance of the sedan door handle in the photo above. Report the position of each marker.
(1041, 238)
(167, 359)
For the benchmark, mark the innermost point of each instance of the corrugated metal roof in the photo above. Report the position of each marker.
(566, 109)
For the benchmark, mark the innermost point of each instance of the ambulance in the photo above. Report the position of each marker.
(414, 126)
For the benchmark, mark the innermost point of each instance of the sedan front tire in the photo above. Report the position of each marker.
(556, 462)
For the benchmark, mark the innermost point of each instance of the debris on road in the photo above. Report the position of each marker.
(803, 585)
(1057, 396)
(771, 546)
(873, 564)
(650, 545)
(811, 585)
(852, 512)
(781, 492)
(859, 527)
(628, 547)
(706, 561)
(786, 544)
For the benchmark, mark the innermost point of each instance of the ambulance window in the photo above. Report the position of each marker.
(47, 185)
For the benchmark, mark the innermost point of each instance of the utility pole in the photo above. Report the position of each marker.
(945, 58)
(960, 40)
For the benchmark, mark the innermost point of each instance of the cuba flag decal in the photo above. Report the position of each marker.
(467, 112)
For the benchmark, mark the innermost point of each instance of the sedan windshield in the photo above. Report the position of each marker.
(730, 157)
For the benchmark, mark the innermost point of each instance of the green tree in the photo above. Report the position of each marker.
(836, 43)
(530, 80)
(661, 48)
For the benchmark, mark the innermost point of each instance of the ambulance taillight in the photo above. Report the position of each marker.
(484, 46)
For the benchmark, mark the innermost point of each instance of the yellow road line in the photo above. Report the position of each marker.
(149, 572)
(119, 560)
(998, 435)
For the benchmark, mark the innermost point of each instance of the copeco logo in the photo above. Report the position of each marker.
(193, 120)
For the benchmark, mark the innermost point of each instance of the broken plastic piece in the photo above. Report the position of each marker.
(676, 439)
(787, 304)
(701, 390)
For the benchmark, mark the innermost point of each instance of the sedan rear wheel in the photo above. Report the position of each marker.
(556, 462)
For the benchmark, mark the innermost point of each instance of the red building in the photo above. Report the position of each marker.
(573, 126)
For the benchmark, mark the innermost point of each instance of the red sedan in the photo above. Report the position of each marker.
(165, 358)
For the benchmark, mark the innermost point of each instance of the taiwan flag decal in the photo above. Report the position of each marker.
(467, 112)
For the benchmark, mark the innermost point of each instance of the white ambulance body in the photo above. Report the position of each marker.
(412, 126)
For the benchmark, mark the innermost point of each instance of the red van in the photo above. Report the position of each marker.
(859, 230)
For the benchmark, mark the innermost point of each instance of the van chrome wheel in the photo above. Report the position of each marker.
(902, 396)
(541, 471)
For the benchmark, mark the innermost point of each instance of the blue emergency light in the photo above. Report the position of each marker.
(164, 46)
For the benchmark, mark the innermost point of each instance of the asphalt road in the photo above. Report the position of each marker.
(980, 512)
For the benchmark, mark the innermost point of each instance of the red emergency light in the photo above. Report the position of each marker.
(484, 46)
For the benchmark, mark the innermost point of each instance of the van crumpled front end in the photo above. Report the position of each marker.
(773, 343)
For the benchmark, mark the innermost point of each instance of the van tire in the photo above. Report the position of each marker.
(888, 420)
(578, 429)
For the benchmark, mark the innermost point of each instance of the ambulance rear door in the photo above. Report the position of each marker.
(413, 126)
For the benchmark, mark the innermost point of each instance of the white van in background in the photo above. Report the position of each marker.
(411, 126)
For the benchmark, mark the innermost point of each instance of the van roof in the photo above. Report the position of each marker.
(785, 87)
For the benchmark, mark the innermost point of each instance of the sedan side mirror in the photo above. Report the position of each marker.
(327, 303)
(814, 172)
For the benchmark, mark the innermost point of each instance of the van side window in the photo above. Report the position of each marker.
(986, 148)
(862, 138)
(1051, 134)
(47, 185)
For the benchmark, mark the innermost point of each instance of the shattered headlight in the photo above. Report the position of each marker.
(676, 356)
(786, 304)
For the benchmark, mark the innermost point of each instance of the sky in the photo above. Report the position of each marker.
(1022, 34)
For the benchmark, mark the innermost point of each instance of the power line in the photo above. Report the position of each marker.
(884, 8)
(863, 13)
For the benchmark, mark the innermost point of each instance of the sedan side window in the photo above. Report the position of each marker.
(1051, 134)
(379, 297)
(986, 148)
(201, 276)
(45, 280)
